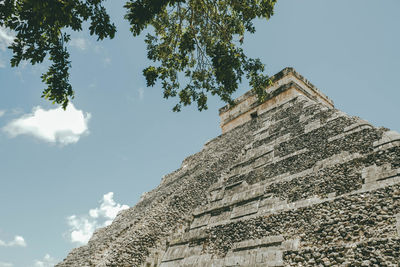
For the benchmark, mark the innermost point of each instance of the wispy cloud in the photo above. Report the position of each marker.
(47, 261)
(2, 112)
(80, 43)
(107, 61)
(6, 38)
(141, 93)
(17, 111)
(6, 264)
(2, 65)
(83, 226)
(18, 241)
(105, 55)
(53, 125)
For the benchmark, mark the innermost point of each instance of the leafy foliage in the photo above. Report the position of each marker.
(40, 31)
(197, 45)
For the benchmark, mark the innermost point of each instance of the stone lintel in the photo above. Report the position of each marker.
(253, 243)
(286, 85)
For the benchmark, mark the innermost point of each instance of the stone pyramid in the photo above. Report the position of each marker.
(290, 182)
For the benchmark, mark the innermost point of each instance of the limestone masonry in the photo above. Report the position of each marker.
(290, 182)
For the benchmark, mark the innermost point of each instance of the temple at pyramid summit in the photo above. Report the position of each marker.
(291, 181)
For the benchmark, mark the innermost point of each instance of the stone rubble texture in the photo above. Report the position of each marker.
(302, 184)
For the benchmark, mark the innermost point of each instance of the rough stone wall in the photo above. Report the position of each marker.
(301, 185)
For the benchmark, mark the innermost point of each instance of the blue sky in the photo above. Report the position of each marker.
(59, 181)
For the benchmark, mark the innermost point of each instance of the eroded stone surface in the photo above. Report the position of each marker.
(302, 185)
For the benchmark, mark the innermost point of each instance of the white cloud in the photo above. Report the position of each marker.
(18, 241)
(82, 227)
(2, 112)
(47, 261)
(108, 209)
(53, 125)
(80, 43)
(6, 38)
(5, 264)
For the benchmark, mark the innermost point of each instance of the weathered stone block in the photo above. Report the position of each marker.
(359, 124)
(241, 258)
(373, 174)
(389, 139)
(269, 204)
(220, 216)
(175, 253)
(245, 209)
(248, 194)
(312, 126)
(200, 221)
(267, 241)
(291, 244)
(217, 194)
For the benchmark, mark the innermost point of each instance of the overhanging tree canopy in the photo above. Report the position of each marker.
(196, 44)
